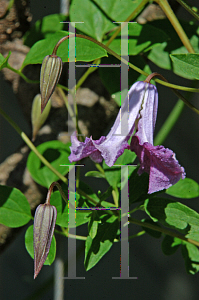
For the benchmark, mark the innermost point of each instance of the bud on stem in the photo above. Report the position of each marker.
(50, 73)
(44, 225)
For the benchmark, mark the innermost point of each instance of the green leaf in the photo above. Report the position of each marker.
(193, 233)
(29, 246)
(57, 154)
(117, 11)
(14, 207)
(140, 38)
(44, 28)
(113, 174)
(190, 254)
(4, 60)
(96, 248)
(172, 214)
(187, 64)
(82, 217)
(160, 54)
(84, 50)
(95, 23)
(178, 216)
(95, 174)
(185, 188)
(170, 244)
(93, 224)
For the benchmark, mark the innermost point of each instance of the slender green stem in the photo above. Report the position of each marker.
(50, 192)
(163, 230)
(140, 207)
(73, 94)
(189, 9)
(45, 162)
(136, 235)
(176, 25)
(31, 146)
(127, 63)
(22, 75)
(115, 194)
(73, 236)
(174, 86)
(69, 108)
(169, 123)
(55, 183)
(87, 73)
(62, 87)
(98, 166)
(74, 116)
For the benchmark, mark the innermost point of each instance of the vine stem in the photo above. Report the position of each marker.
(69, 108)
(74, 236)
(189, 9)
(45, 162)
(174, 86)
(130, 17)
(64, 232)
(175, 23)
(163, 230)
(22, 75)
(31, 146)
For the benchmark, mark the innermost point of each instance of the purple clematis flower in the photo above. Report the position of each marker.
(138, 112)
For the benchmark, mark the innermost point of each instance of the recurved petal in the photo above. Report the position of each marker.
(50, 73)
(44, 225)
(160, 163)
(113, 145)
(84, 149)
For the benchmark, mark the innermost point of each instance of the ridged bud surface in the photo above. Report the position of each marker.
(50, 73)
(44, 225)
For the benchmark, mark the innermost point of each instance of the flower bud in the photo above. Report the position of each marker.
(37, 117)
(50, 73)
(44, 225)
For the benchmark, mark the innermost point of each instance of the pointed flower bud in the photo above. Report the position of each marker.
(44, 225)
(50, 73)
(37, 117)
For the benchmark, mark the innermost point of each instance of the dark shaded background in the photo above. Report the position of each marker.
(159, 276)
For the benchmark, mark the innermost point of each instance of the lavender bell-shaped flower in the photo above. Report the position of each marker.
(141, 103)
(113, 145)
(159, 162)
